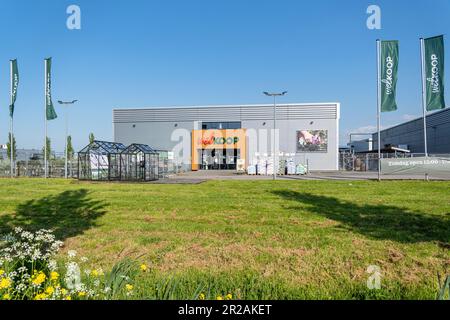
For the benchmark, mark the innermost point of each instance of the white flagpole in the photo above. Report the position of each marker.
(424, 99)
(11, 134)
(379, 106)
(66, 152)
(45, 122)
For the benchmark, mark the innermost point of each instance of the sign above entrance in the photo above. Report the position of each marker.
(215, 140)
(218, 139)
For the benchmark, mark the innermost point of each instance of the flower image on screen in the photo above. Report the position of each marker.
(312, 141)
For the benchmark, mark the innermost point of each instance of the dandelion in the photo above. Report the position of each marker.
(39, 278)
(201, 296)
(5, 283)
(94, 273)
(129, 287)
(6, 296)
(63, 291)
(229, 296)
(40, 296)
(68, 298)
(143, 267)
(50, 290)
(54, 275)
(2, 272)
(81, 294)
(219, 298)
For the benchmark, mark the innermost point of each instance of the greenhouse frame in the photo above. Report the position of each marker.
(100, 160)
(139, 162)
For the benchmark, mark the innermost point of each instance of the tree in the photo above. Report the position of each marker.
(70, 151)
(49, 148)
(8, 147)
(91, 137)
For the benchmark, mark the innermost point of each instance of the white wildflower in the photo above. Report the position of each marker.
(52, 265)
(72, 253)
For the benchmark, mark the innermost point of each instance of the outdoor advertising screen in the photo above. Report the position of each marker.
(312, 141)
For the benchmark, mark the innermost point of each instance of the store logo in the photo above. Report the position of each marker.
(218, 140)
(388, 80)
(435, 85)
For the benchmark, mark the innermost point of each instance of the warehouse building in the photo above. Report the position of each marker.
(410, 135)
(221, 137)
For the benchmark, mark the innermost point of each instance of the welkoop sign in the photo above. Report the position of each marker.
(389, 69)
(434, 72)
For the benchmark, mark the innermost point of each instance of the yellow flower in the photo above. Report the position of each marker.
(40, 296)
(68, 298)
(6, 296)
(49, 290)
(229, 296)
(201, 296)
(94, 273)
(63, 291)
(54, 275)
(2, 272)
(129, 287)
(143, 267)
(219, 298)
(39, 278)
(81, 294)
(5, 283)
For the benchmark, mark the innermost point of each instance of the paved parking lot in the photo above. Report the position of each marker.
(200, 176)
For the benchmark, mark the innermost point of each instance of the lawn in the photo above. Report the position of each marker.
(257, 239)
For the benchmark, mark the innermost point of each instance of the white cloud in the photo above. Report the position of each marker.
(408, 117)
(364, 129)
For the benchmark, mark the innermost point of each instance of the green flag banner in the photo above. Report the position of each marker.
(434, 72)
(388, 74)
(49, 109)
(14, 86)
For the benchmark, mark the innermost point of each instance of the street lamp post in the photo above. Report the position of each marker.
(67, 125)
(274, 95)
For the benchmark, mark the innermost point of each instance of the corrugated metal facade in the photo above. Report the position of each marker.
(411, 134)
(227, 113)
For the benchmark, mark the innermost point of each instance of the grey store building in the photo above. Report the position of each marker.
(410, 135)
(306, 132)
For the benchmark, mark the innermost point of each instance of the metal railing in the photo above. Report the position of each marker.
(56, 168)
(369, 161)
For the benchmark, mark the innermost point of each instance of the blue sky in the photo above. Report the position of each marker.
(170, 53)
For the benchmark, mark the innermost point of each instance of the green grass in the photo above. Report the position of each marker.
(256, 239)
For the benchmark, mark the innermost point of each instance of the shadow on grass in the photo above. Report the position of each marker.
(376, 221)
(67, 214)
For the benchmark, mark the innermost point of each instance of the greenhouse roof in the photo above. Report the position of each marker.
(103, 147)
(137, 147)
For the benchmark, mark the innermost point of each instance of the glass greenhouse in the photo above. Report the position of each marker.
(100, 160)
(139, 162)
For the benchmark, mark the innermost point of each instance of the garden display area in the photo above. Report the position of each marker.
(243, 239)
